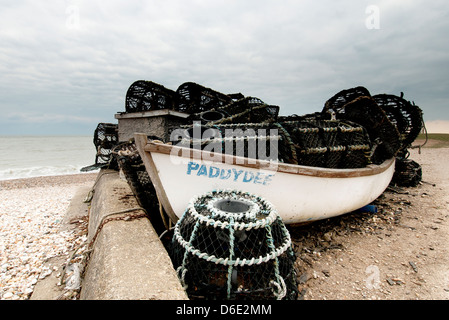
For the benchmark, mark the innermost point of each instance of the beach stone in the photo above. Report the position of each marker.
(8, 295)
(30, 224)
(303, 278)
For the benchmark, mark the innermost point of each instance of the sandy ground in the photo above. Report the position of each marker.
(399, 253)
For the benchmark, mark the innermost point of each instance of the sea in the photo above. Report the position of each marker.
(35, 156)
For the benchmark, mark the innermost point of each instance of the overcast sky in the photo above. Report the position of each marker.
(65, 65)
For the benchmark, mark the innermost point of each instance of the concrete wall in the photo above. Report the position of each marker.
(128, 260)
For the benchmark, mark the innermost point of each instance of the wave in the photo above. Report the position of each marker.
(39, 171)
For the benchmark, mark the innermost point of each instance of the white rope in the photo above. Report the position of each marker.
(234, 195)
(281, 288)
(256, 204)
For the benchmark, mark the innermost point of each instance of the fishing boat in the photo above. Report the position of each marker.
(299, 193)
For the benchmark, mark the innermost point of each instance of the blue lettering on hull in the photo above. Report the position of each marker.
(236, 175)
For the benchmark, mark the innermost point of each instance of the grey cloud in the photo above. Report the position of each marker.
(295, 54)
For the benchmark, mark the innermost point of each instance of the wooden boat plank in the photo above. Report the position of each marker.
(141, 141)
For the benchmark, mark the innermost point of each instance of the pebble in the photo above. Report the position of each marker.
(8, 295)
(413, 265)
(303, 278)
(30, 220)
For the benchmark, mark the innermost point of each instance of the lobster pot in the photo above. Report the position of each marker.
(358, 106)
(245, 110)
(194, 98)
(318, 143)
(105, 139)
(255, 141)
(339, 100)
(149, 96)
(233, 245)
(407, 117)
(327, 144)
(133, 168)
(408, 173)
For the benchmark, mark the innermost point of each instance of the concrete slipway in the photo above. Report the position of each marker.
(128, 261)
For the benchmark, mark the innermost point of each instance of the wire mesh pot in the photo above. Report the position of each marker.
(233, 245)
(105, 139)
(245, 110)
(195, 98)
(358, 106)
(407, 117)
(133, 168)
(310, 142)
(408, 173)
(328, 144)
(149, 96)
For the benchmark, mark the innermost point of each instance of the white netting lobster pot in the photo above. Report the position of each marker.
(233, 245)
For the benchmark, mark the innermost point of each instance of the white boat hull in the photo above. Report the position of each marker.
(299, 193)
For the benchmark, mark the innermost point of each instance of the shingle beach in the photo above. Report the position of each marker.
(31, 212)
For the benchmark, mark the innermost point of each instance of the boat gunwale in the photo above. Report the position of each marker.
(197, 154)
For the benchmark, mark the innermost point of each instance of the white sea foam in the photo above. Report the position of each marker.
(19, 173)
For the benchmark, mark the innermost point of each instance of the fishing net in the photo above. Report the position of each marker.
(306, 117)
(255, 141)
(327, 143)
(340, 99)
(233, 245)
(407, 117)
(245, 110)
(148, 96)
(320, 143)
(408, 173)
(105, 139)
(194, 98)
(358, 106)
(133, 168)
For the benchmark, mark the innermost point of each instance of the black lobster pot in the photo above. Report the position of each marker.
(232, 245)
